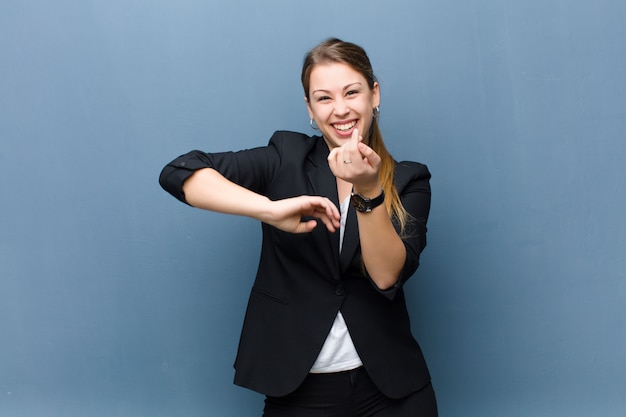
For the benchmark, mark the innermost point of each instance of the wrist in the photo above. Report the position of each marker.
(264, 210)
(365, 204)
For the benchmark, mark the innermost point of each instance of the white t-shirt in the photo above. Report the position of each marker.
(338, 353)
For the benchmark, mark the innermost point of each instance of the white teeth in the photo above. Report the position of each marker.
(346, 126)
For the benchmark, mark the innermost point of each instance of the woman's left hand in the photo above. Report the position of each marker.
(355, 162)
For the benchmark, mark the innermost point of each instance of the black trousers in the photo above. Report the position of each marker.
(348, 394)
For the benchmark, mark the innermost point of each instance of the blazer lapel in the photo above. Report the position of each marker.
(324, 183)
(350, 239)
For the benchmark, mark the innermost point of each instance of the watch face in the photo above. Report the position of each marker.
(359, 203)
(365, 205)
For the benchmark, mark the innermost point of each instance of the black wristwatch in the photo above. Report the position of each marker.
(364, 204)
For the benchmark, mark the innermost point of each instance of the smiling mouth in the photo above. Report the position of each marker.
(344, 127)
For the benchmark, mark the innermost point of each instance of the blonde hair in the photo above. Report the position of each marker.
(334, 50)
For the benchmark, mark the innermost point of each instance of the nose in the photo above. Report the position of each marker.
(341, 108)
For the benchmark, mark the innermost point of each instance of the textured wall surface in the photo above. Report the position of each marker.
(118, 301)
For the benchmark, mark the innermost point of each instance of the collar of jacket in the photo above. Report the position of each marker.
(324, 183)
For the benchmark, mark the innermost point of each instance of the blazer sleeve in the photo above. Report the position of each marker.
(413, 184)
(250, 168)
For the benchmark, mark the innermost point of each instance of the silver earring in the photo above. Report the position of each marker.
(313, 124)
(376, 112)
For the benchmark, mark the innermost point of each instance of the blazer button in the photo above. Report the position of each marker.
(339, 290)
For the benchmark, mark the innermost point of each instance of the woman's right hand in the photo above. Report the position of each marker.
(287, 214)
(209, 190)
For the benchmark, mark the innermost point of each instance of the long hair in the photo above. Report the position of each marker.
(334, 50)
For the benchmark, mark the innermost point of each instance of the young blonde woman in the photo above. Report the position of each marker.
(326, 331)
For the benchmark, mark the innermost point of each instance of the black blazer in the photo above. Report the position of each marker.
(302, 280)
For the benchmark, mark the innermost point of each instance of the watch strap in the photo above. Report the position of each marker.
(363, 204)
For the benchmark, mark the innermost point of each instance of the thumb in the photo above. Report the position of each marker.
(368, 154)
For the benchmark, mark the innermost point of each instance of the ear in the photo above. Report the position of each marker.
(376, 95)
(308, 107)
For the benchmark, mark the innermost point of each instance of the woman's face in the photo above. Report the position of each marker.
(340, 101)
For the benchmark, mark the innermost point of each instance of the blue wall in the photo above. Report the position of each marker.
(116, 300)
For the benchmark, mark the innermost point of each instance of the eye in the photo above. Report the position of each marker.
(323, 98)
(352, 92)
